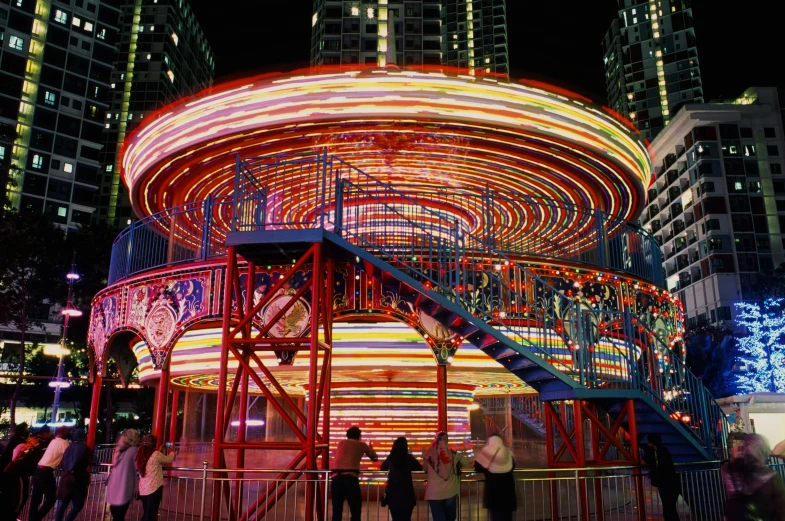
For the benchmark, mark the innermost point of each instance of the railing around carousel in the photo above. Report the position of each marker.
(615, 493)
(302, 191)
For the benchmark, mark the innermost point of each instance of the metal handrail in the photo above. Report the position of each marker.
(609, 243)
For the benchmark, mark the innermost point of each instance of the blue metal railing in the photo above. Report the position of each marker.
(300, 192)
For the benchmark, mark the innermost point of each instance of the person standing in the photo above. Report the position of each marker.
(754, 491)
(122, 483)
(346, 470)
(43, 494)
(662, 474)
(75, 479)
(442, 469)
(149, 464)
(19, 436)
(496, 463)
(17, 474)
(400, 489)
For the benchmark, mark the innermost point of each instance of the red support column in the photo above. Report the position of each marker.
(95, 403)
(161, 397)
(313, 406)
(441, 397)
(632, 423)
(550, 450)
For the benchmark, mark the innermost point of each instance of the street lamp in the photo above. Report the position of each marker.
(60, 349)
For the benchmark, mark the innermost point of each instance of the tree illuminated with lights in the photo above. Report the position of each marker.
(762, 350)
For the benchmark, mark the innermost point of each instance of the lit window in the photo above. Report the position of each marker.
(355, 10)
(19, 3)
(49, 98)
(17, 43)
(76, 21)
(166, 59)
(2, 153)
(101, 35)
(152, 28)
(93, 110)
(62, 211)
(109, 168)
(149, 56)
(61, 17)
(738, 186)
(314, 19)
(106, 126)
(108, 115)
(369, 13)
(171, 76)
(175, 39)
(38, 161)
(487, 60)
(88, 26)
(112, 85)
(68, 168)
(141, 29)
(130, 116)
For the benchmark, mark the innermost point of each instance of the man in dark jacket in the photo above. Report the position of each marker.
(662, 474)
(19, 435)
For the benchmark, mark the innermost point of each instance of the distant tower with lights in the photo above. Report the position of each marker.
(469, 34)
(162, 55)
(651, 62)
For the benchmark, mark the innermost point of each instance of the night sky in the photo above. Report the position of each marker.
(557, 42)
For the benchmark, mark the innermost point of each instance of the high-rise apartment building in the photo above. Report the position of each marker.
(55, 67)
(162, 55)
(470, 34)
(717, 205)
(651, 62)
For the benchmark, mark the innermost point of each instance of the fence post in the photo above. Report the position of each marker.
(204, 490)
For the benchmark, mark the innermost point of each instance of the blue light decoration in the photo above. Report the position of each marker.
(762, 350)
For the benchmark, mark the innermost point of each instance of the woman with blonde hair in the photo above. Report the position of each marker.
(121, 486)
(442, 470)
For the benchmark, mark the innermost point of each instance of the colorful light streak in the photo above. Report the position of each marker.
(404, 127)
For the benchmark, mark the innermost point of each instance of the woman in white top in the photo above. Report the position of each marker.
(442, 469)
(149, 463)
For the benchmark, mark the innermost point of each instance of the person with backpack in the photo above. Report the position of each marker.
(122, 485)
(17, 473)
(662, 474)
(399, 493)
(149, 464)
(754, 491)
(442, 470)
(44, 491)
(72, 487)
(496, 463)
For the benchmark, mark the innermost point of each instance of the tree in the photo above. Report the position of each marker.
(32, 264)
(762, 350)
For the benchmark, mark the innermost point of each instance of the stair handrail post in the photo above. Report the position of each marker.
(338, 225)
(579, 342)
(236, 195)
(599, 222)
(457, 255)
(323, 202)
(629, 336)
(206, 231)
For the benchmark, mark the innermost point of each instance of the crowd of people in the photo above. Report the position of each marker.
(29, 462)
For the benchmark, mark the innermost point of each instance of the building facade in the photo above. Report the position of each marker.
(470, 34)
(651, 62)
(55, 69)
(717, 205)
(162, 55)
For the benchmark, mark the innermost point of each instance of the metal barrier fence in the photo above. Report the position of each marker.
(611, 494)
(304, 191)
